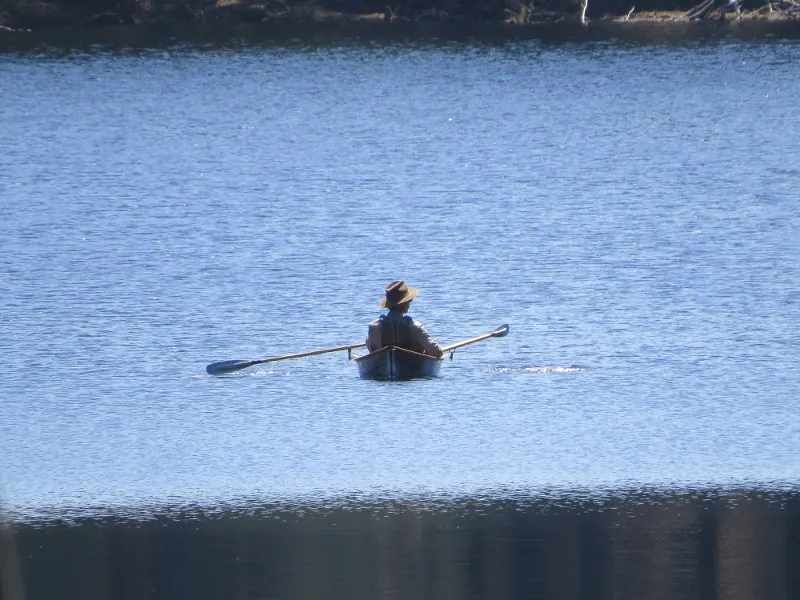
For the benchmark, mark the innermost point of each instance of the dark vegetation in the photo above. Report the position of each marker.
(38, 14)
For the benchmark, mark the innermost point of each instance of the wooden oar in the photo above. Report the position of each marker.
(229, 366)
(501, 331)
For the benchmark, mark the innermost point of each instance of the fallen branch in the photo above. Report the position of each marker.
(4, 28)
(701, 10)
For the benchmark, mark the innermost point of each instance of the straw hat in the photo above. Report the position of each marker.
(398, 292)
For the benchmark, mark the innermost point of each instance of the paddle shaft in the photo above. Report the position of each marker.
(304, 354)
(229, 366)
(499, 332)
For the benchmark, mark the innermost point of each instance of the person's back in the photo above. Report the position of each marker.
(396, 328)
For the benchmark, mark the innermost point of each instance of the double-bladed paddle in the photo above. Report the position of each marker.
(229, 366)
(501, 331)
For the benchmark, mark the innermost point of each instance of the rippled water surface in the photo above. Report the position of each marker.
(629, 209)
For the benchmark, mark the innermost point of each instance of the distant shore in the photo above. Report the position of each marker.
(28, 15)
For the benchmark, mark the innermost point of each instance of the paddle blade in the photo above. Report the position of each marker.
(501, 331)
(228, 366)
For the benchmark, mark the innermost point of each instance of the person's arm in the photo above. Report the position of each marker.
(424, 339)
(374, 337)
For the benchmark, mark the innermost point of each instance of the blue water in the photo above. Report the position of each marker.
(629, 210)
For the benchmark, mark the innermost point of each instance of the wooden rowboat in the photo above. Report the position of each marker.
(397, 364)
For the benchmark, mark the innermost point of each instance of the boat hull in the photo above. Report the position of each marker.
(397, 364)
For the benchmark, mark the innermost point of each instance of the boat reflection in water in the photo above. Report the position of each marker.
(737, 544)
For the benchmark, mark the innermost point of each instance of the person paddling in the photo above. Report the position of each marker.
(396, 328)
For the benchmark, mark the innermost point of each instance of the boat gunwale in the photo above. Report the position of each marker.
(386, 349)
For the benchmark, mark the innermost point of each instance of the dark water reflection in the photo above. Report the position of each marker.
(670, 545)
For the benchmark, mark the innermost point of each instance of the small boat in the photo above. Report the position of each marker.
(397, 364)
(389, 364)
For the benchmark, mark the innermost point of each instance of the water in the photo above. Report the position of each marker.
(656, 546)
(628, 208)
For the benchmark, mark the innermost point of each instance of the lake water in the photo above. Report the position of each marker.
(628, 205)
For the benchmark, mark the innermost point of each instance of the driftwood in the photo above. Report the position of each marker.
(4, 28)
(702, 10)
(784, 6)
(707, 7)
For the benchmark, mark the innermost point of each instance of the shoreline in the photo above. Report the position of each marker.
(35, 15)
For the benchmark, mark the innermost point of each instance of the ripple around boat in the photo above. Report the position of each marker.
(397, 364)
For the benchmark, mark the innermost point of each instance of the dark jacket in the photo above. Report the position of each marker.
(397, 329)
